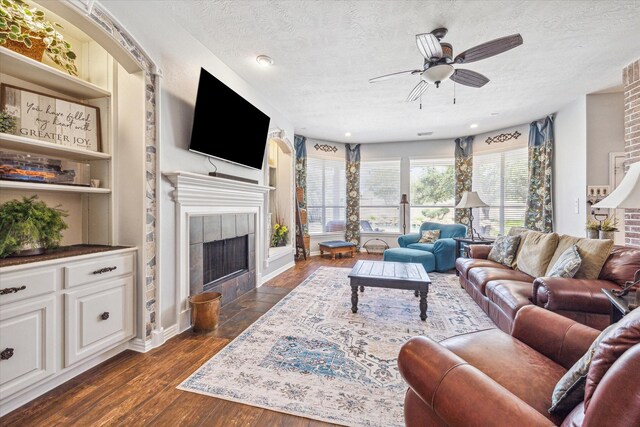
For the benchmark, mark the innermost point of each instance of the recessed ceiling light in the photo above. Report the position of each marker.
(347, 134)
(264, 60)
(473, 126)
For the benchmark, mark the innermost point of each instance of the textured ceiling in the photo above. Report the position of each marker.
(326, 51)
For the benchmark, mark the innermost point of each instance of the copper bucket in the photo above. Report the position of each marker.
(205, 311)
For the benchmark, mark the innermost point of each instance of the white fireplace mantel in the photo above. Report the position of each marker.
(197, 194)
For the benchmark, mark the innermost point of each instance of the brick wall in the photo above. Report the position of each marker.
(631, 81)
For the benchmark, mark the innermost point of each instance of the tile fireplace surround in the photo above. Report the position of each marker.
(197, 195)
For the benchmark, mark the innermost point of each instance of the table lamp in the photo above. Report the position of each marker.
(470, 200)
(625, 196)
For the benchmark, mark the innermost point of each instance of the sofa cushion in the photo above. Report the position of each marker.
(564, 242)
(625, 335)
(504, 250)
(567, 265)
(536, 252)
(446, 230)
(594, 253)
(421, 246)
(621, 265)
(429, 236)
(479, 277)
(509, 295)
(463, 265)
(520, 369)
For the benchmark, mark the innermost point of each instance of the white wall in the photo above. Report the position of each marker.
(180, 57)
(570, 168)
(605, 134)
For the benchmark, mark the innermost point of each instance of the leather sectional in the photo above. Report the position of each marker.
(502, 291)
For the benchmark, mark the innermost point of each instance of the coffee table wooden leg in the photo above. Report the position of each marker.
(416, 292)
(361, 288)
(354, 298)
(423, 305)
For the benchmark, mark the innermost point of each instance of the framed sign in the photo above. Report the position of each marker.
(47, 118)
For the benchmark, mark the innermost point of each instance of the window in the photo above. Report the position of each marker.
(326, 198)
(432, 191)
(501, 180)
(379, 195)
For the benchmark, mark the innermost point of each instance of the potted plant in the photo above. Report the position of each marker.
(23, 29)
(7, 122)
(279, 235)
(593, 227)
(29, 227)
(608, 228)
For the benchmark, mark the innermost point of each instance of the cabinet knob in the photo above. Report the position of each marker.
(105, 315)
(6, 354)
(104, 270)
(12, 290)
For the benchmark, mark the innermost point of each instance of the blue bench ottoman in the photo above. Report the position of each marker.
(335, 247)
(427, 259)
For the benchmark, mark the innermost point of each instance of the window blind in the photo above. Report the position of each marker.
(501, 180)
(326, 194)
(380, 195)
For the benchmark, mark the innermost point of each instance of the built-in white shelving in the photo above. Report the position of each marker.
(43, 75)
(35, 186)
(34, 146)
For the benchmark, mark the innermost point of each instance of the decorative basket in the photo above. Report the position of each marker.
(35, 52)
(375, 246)
(299, 194)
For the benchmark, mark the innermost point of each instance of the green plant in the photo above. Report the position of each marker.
(592, 224)
(29, 223)
(609, 224)
(21, 23)
(7, 122)
(280, 233)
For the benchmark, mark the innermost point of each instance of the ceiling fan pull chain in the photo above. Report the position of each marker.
(454, 92)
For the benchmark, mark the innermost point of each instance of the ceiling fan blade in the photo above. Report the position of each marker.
(417, 91)
(488, 49)
(390, 76)
(469, 78)
(429, 46)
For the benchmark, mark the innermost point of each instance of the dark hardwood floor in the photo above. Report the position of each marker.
(135, 389)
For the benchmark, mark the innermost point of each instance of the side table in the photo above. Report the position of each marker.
(462, 245)
(619, 305)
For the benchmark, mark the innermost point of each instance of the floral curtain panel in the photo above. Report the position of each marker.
(300, 146)
(352, 233)
(464, 173)
(539, 213)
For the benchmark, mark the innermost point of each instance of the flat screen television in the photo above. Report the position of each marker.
(215, 133)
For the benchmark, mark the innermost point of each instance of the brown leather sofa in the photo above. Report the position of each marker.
(491, 378)
(502, 291)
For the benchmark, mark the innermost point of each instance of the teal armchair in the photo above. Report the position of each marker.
(444, 249)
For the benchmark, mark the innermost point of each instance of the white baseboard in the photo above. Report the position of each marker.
(158, 337)
(28, 394)
(273, 274)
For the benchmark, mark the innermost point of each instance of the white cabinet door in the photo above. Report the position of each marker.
(26, 344)
(104, 267)
(97, 317)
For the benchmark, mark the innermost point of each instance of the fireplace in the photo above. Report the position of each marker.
(222, 254)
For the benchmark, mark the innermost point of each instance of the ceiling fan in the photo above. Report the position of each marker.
(438, 61)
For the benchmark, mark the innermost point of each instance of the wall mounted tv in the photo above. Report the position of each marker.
(215, 132)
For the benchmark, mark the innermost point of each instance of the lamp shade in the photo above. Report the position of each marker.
(470, 199)
(626, 195)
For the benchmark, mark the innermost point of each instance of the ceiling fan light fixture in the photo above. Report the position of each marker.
(437, 73)
(264, 60)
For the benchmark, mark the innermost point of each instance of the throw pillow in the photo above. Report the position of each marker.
(594, 253)
(504, 250)
(536, 252)
(567, 265)
(429, 236)
(569, 390)
(564, 242)
(619, 340)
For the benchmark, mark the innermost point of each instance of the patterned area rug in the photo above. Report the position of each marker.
(310, 356)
